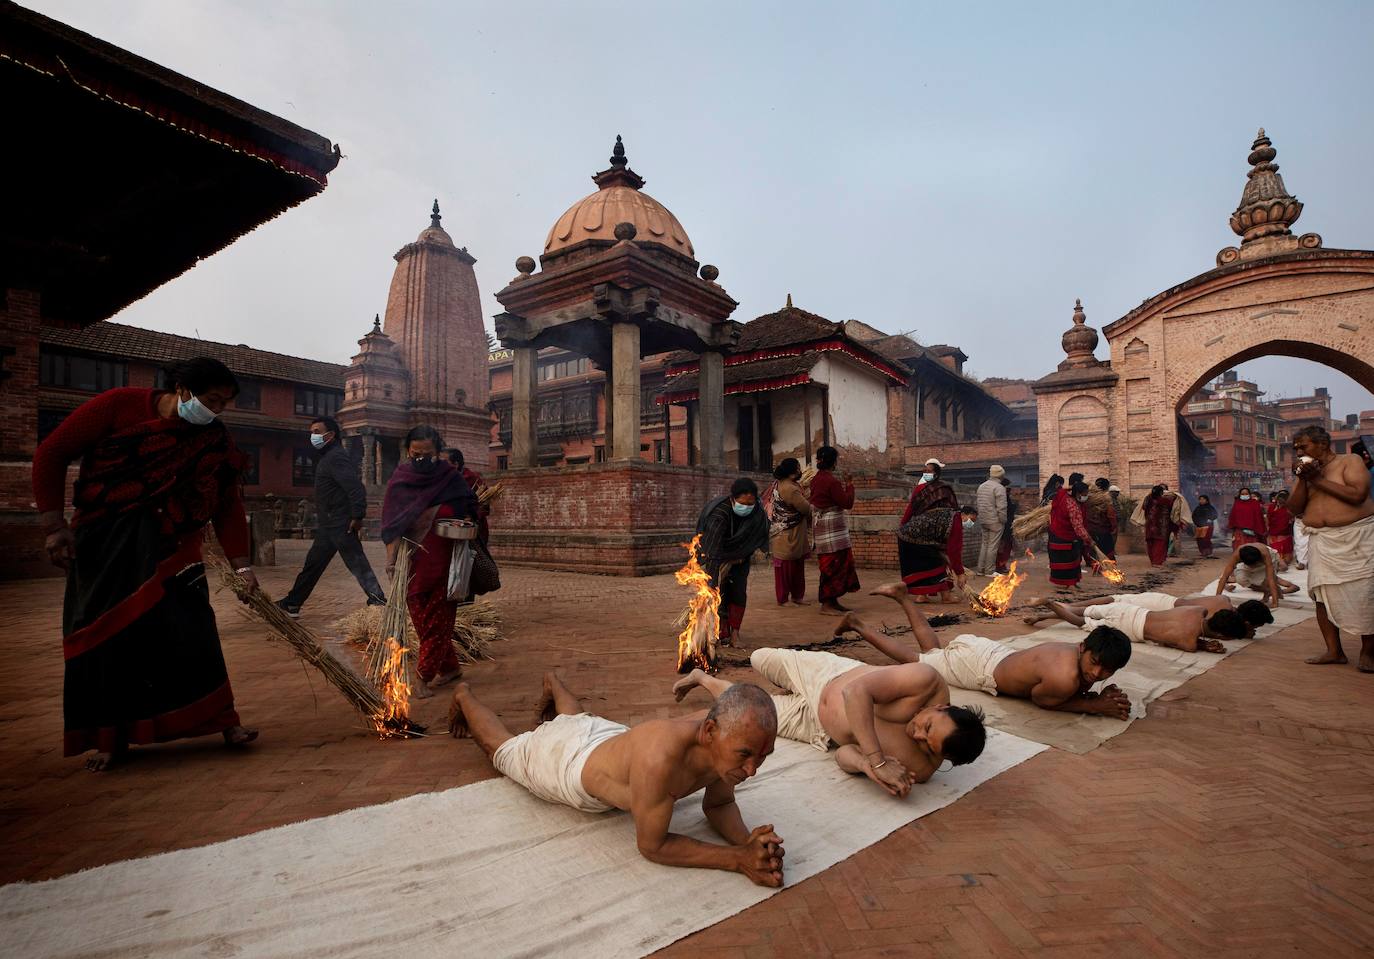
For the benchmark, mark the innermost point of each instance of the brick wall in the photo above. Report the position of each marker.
(19, 320)
(971, 451)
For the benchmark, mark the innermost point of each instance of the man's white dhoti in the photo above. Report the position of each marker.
(1154, 602)
(1340, 574)
(548, 759)
(1128, 618)
(969, 662)
(1299, 542)
(806, 673)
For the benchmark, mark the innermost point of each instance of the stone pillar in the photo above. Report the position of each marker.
(369, 460)
(625, 386)
(608, 403)
(711, 422)
(524, 416)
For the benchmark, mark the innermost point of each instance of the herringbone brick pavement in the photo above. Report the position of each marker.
(1235, 820)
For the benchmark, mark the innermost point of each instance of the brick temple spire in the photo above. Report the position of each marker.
(1266, 207)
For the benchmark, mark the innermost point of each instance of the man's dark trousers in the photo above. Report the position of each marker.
(327, 543)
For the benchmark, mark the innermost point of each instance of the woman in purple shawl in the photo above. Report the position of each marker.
(423, 490)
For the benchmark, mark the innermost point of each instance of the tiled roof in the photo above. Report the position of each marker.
(748, 372)
(153, 346)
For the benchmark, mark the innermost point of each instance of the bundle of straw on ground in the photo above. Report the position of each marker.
(476, 627)
(360, 694)
(1030, 525)
(491, 493)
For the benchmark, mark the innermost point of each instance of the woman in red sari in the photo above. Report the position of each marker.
(1280, 522)
(143, 659)
(423, 490)
(830, 497)
(1246, 520)
(1068, 535)
(926, 569)
(1156, 515)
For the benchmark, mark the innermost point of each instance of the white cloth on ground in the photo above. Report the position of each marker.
(1154, 602)
(1255, 576)
(548, 759)
(1340, 574)
(1127, 617)
(969, 662)
(805, 673)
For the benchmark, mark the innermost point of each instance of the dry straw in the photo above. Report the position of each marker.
(475, 628)
(491, 493)
(1030, 525)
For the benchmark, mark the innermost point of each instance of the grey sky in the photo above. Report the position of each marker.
(961, 170)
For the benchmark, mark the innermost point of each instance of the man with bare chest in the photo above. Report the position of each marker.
(893, 724)
(1331, 495)
(1189, 627)
(592, 764)
(1057, 676)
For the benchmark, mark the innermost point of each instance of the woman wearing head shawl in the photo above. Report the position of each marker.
(830, 497)
(789, 525)
(732, 529)
(930, 540)
(1246, 521)
(1155, 514)
(1280, 523)
(1068, 535)
(423, 490)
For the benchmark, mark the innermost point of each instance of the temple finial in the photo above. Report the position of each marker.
(376, 323)
(1079, 317)
(618, 153)
(434, 216)
(789, 301)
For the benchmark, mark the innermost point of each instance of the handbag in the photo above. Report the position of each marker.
(485, 578)
(930, 528)
(462, 559)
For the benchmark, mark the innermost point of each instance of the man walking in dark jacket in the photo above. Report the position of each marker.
(341, 504)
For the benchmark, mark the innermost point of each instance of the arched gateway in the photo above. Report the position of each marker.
(1277, 294)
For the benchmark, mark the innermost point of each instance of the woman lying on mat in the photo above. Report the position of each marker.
(595, 765)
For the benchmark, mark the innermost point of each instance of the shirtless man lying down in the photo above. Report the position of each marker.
(595, 765)
(893, 724)
(1253, 612)
(1057, 676)
(1189, 628)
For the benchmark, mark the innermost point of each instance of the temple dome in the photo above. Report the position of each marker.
(619, 199)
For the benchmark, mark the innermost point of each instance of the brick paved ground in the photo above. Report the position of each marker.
(1236, 819)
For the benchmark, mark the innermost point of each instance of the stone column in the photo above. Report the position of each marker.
(711, 422)
(524, 416)
(369, 460)
(608, 402)
(625, 384)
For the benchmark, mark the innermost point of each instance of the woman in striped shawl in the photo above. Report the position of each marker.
(830, 498)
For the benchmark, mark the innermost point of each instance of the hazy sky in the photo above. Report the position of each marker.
(963, 171)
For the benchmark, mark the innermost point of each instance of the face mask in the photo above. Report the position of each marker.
(317, 441)
(1244, 495)
(927, 477)
(195, 412)
(423, 464)
(742, 509)
(968, 524)
(1082, 499)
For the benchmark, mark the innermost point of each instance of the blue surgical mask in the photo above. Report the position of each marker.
(968, 524)
(317, 441)
(742, 509)
(195, 412)
(927, 477)
(1244, 495)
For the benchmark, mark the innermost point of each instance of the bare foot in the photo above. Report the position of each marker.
(545, 710)
(1035, 620)
(99, 762)
(1366, 663)
(421, 689)
(239, 736)
(1210, 646)
(1326, 659)
(1039, 602)
(443, 679)
(686, 684)
(801, 602)
(852, 623)
(895, 591)
(457, 722)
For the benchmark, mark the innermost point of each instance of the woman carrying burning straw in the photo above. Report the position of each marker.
(925, 566)
(731, 529)
(143, 658)
(830, 498)
(423, 490)
(789, 526)
(1068, 535)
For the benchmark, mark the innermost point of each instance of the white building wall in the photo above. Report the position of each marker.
(858, 404)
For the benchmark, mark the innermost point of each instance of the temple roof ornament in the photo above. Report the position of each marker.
(1266, 210)
(1079, 341)
(434, 216)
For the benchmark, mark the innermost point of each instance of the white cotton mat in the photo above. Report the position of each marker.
(1152, 672)
(1300, 599)
(482, 870)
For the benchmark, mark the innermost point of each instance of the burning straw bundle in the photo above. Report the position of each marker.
(476, 627)
(381, 655)
(360, 694)
(1029, 526)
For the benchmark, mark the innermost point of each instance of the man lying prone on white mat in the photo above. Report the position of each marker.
(893, 724)
(1189, 624)
(595, 765)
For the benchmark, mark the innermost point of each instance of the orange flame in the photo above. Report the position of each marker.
(395, 691)
(995, 599)
(1111, 571)
(696, 643)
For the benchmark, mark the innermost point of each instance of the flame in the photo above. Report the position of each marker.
(696, 644)
(995, 599)
(1110, 570)
(395, 690)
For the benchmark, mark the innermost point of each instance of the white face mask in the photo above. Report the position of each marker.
(1244, 495)
(317, 441)
(968, 524)
(927, 477)
(195, 412)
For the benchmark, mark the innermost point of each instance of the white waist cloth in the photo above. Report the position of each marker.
(806, 674)
(1254, 576)
(969, 662)
(548, 759)
(1340, 574)
(1128, 618)
(1154, 602)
